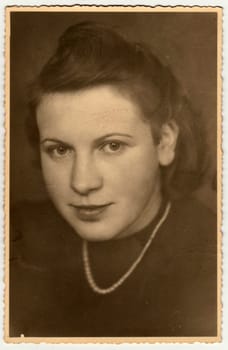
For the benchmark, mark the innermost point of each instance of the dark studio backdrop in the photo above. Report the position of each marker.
(185, 41)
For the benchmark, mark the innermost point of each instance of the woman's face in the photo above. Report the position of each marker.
(99, 161)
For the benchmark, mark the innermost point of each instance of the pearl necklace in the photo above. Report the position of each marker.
(127, 274)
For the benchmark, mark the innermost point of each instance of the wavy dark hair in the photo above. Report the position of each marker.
(92, 54)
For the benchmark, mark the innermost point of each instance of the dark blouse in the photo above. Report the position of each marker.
(173, 291)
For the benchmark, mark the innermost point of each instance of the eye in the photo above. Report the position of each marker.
(58, 150)
(113, 146)
(61, 150)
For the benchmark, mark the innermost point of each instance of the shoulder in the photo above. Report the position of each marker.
(33, 212)
(190, 240)
(38, 233)
(193, 217)
(192, 206)
(193, 234)
(45, 253)
(192, 248)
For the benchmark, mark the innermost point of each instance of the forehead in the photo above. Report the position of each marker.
(102, 106)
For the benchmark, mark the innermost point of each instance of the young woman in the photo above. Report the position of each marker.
(123, 250)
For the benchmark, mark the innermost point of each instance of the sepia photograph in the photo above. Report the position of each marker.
(113, 190)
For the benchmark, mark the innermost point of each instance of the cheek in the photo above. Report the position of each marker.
(140, 184)
(136, 176)
(55, 177)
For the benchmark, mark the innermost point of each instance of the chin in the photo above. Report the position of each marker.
(93, 233)
(95, 236)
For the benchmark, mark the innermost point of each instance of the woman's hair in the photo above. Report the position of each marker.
(91, 54)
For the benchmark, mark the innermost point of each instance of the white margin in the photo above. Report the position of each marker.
(218, 346)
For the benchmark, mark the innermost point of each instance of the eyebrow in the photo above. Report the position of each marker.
(111, 135)
(99, 139)
(53, 140)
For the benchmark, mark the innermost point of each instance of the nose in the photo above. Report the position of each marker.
(85, 176)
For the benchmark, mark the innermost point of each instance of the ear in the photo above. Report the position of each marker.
(167, 143)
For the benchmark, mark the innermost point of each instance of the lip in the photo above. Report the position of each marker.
(90, 212)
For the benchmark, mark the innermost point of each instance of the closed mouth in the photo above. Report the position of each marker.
(90, 207)
(90, 212)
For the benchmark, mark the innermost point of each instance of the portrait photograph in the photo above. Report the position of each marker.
(113, 174)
